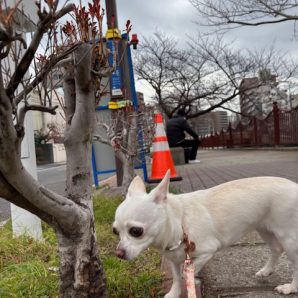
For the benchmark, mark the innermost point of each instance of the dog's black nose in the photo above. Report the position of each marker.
(120, 253)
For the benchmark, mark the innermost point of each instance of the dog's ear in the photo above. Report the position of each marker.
(136, 186)
(161, 191)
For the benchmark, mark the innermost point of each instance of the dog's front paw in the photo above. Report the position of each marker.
(264, 272)
(286, 289)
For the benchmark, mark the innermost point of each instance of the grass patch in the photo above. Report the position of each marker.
(24, 265)
(24, 262)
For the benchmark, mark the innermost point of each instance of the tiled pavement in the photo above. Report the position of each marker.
(231, 272)
(219, 166)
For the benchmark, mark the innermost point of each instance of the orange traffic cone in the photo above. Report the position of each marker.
(162, 158)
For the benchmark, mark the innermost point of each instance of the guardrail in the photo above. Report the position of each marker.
(279, 128)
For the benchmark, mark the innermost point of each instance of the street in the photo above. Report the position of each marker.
(52, 176)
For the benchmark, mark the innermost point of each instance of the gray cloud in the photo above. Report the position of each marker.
(179, 18)
(172, 17)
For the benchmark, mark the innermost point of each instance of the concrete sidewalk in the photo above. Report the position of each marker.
(231, 273)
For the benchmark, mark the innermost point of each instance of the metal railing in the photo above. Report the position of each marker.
(279, 128)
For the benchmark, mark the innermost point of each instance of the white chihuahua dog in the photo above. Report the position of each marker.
(212, 219)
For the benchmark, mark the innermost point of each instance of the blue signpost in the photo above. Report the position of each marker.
(116, 78)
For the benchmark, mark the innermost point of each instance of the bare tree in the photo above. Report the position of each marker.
(156, 62)
(79, 50)
(232, 13)
(204, 76)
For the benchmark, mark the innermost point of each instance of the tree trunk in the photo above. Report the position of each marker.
(82, 273)
(128, 151)
(128, 173)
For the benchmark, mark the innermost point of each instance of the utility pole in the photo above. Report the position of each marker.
(112, 23)
(112, 17)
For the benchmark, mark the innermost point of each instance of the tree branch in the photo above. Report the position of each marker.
(64, 210)
(45, 71)
(211, 108)
(9, 193)
(233, 111)
(255, 24)
(23, 110)
(252, 13)
(104, 72)
(101, 139)
(27, 58)
(85, 96)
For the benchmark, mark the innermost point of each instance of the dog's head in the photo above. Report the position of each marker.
(140, 217)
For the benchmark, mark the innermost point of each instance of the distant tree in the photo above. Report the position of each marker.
(203, 76)
(233, 13)
(157, 61)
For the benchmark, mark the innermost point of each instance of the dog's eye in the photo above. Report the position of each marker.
(115, 231)
(136, 232)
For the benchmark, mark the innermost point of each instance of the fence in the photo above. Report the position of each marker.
(279, 128)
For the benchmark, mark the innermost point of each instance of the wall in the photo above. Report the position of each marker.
(50, 153)
(59, 153)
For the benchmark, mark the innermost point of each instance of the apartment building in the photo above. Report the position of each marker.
(210, 123)
(257, 95)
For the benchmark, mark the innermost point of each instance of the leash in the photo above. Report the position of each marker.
(189, 268)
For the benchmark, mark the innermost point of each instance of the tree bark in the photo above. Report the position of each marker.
(82, 273)
(128, 173)
(127, 153)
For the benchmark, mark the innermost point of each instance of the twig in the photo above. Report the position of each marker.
(23, 110)
(103, 73)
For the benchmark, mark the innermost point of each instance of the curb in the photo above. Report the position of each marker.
(2, 223)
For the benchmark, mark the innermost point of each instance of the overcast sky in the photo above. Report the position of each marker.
(178, 18)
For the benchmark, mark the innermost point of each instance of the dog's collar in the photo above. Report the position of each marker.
(171, 248)
(189, 245)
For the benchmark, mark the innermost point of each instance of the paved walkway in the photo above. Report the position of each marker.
(231, 272)
(219, 166)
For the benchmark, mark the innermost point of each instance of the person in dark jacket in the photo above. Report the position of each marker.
(176, 128)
